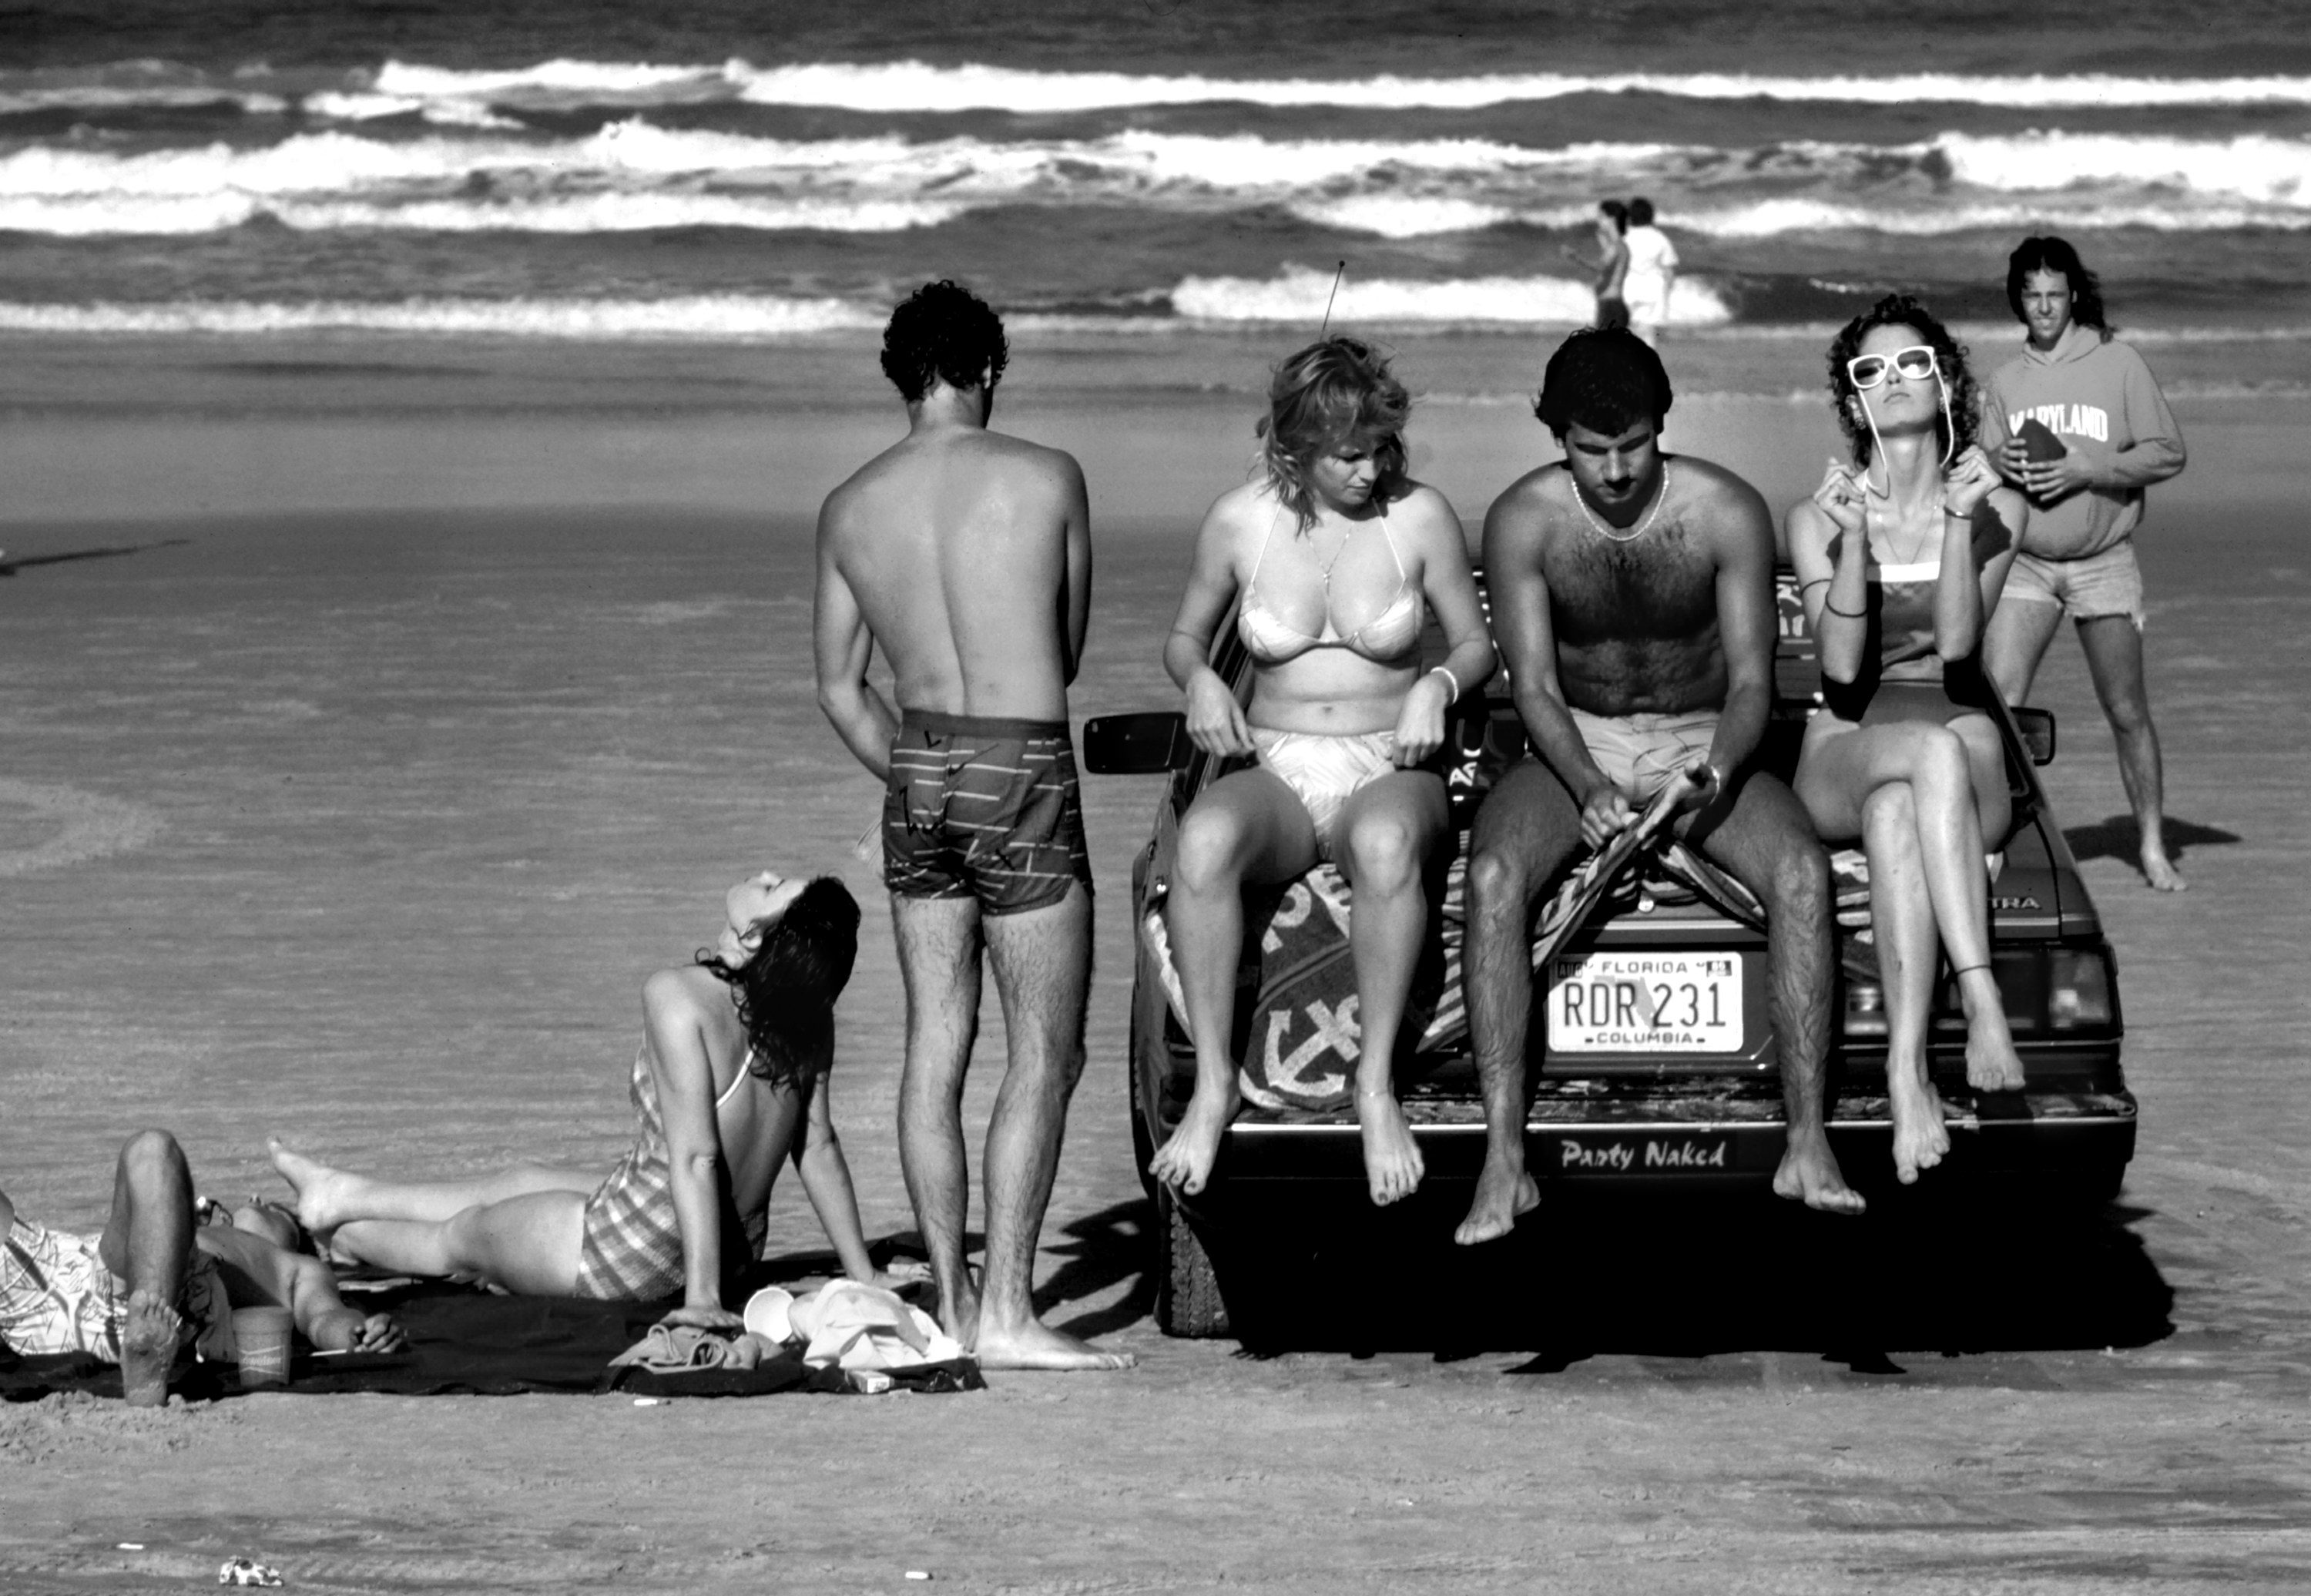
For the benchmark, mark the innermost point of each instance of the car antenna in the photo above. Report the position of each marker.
(1328, 298)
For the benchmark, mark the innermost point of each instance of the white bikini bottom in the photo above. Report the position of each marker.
(1324, 770)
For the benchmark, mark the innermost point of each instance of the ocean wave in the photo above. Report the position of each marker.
(704, 316)
(918, 86)
(1299, 295)
(632, 175)
(397, 87)
(2275, 171)
(571, 214)
(2083, 212)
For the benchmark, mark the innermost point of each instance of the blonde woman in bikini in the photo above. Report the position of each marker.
(1902, 556)
(1328, 563)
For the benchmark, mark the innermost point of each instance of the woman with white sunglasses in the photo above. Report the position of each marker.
(1901, 555)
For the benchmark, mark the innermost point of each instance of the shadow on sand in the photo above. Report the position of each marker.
(2121, 839)
(10, 564)
(1924, 1270)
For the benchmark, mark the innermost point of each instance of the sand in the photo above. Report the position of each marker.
(354, 781)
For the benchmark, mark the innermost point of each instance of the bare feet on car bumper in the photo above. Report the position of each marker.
(1808, 1173)
(1504, 1195)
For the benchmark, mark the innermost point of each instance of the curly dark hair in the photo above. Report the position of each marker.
(1336, 390)
(943, 329)
(1605, 379)
(2050, 254)
(786, 992)
(1902, 309)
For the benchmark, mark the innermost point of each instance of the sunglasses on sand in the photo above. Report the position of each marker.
(1915, 363)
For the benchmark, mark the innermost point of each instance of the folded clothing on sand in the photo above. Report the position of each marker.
(849, 1325)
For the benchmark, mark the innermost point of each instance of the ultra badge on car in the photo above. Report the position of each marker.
(1646, 1002)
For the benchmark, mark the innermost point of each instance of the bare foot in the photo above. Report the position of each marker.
(318, 1188)
(1809, 1175)
(1393, 1162)
(1185, 1160)
(148, 1346)
(1920, 1139)
(1035, 1345)
(2159, 871)
(958, 1315)
(1504, 1195)
(1991, 1064)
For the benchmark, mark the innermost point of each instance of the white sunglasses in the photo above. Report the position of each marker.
(1915, 363)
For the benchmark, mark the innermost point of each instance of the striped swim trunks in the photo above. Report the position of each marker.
(984, 808)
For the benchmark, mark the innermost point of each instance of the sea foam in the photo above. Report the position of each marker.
(1299, 295)
(704, 316)
(918, 86)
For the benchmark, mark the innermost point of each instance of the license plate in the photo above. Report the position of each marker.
(1645, 1003)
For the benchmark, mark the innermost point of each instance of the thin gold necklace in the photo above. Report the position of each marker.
(1606, 529)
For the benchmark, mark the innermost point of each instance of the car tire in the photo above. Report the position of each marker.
(1143, 1139)
(1188, 1301)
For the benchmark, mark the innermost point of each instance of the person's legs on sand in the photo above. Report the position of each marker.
(1388, 828)
(148, 1241)
(329, 1198)
(528, 1245)
(1249, 827)
(2114, 650)
(1523, 835)
(1042, 962)
(939, 943)
(1764, 838)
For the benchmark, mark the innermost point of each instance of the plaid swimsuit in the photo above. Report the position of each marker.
(632, 1246)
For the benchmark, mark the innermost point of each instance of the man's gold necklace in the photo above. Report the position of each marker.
(1605, 527)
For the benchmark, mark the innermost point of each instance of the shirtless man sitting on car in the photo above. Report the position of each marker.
(1633, 601)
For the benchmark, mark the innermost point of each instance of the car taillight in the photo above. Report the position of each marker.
(2078, 988)
(1865, 1008)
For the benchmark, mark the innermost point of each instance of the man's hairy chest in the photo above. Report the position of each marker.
(1660, 586)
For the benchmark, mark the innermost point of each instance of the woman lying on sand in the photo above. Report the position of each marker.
(1901, 557)
(730, 1078)
(1329, 561)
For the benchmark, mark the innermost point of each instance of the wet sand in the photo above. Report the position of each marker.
(354, 783)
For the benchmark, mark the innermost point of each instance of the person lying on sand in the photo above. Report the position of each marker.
(153, 1283)
(729, 1081)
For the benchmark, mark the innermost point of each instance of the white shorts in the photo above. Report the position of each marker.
(1639, 753)
(2085, 590)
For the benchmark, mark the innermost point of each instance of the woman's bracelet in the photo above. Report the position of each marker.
(1850, 614)
(1439, 670)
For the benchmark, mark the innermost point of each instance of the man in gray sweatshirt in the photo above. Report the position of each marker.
(2078, 425)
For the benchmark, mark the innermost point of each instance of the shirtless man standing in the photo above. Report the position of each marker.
(966, 554)
(1633, 602)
